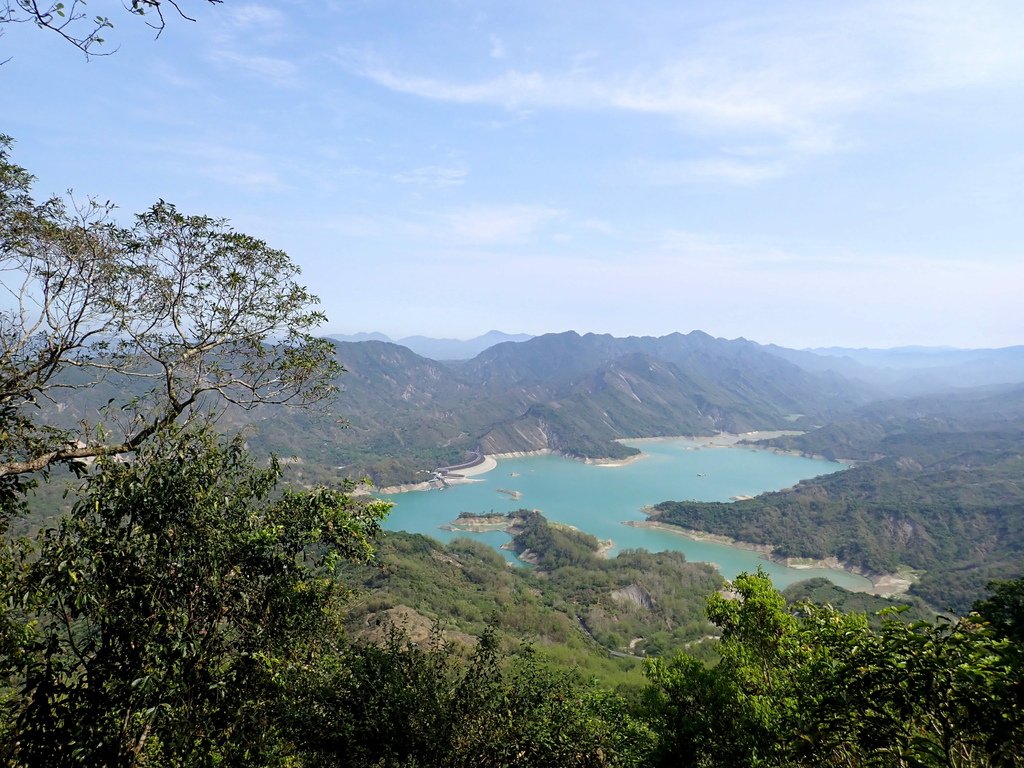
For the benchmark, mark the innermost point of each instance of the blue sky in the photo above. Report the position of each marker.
(804, 173)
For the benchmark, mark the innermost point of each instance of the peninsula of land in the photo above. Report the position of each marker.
(883, 585)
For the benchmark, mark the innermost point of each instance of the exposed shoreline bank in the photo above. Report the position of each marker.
(883, 585)
(743, 440)
(490, 462)
(585, 460)
(510, 524)
(720, 440)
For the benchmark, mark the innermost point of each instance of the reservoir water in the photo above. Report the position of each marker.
(599, 499)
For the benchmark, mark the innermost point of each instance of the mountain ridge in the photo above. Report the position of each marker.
(439, 348)
(571, 393)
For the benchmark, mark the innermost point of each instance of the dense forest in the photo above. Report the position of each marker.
(243, 657)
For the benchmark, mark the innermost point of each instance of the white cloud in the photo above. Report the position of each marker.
(499, 224)
(497, 48)
(433, 176)
(268, 68)
(792, 78)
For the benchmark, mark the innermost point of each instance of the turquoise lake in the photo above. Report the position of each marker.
(599, 499)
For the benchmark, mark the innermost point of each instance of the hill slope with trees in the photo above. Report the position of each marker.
(565, 392)
(937, 488)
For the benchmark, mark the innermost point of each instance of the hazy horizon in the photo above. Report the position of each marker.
(396, 337)
(797, 173)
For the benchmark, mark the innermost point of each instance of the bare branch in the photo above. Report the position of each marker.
(164, 312)
(73, 23)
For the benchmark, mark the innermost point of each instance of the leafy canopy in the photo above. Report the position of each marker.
(155, 624)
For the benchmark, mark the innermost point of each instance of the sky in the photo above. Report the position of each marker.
(800, 173)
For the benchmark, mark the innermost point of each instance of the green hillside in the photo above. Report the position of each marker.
(405, 414)
(939, 492)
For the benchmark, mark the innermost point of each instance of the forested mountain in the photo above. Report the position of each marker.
(574, 605)
(565, 392)
(741, 369)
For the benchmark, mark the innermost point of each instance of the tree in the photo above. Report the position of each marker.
(399, 704)
(749, 689)
(807, 685)
(80, 28)
(177, 311)
(158, 623)
(1004, 609)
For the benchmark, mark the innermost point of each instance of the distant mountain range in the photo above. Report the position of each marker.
(401, 413)
(440, 349)
(909, 370)
(914, 370)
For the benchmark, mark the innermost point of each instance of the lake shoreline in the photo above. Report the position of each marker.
(749, 440)
(720, 440)
(882, 584)
(490, 463)
(510, 525)
(595, 493)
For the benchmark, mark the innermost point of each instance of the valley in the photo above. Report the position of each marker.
(933, 495)
(933, 498)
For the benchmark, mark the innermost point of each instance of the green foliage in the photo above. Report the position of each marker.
(154, 624)
(1004, 610)
(399, 704)
(822, 688)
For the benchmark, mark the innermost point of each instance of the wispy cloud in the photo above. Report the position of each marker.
(249, 38)
(231, 166)
(791, 78)
(499, 224)
(433, 176)
(497, 48)
(268, 68)
(252, 16)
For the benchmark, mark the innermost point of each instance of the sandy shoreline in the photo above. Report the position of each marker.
(722, 439)
(883, 585)
(736, 440)
(486, 465)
